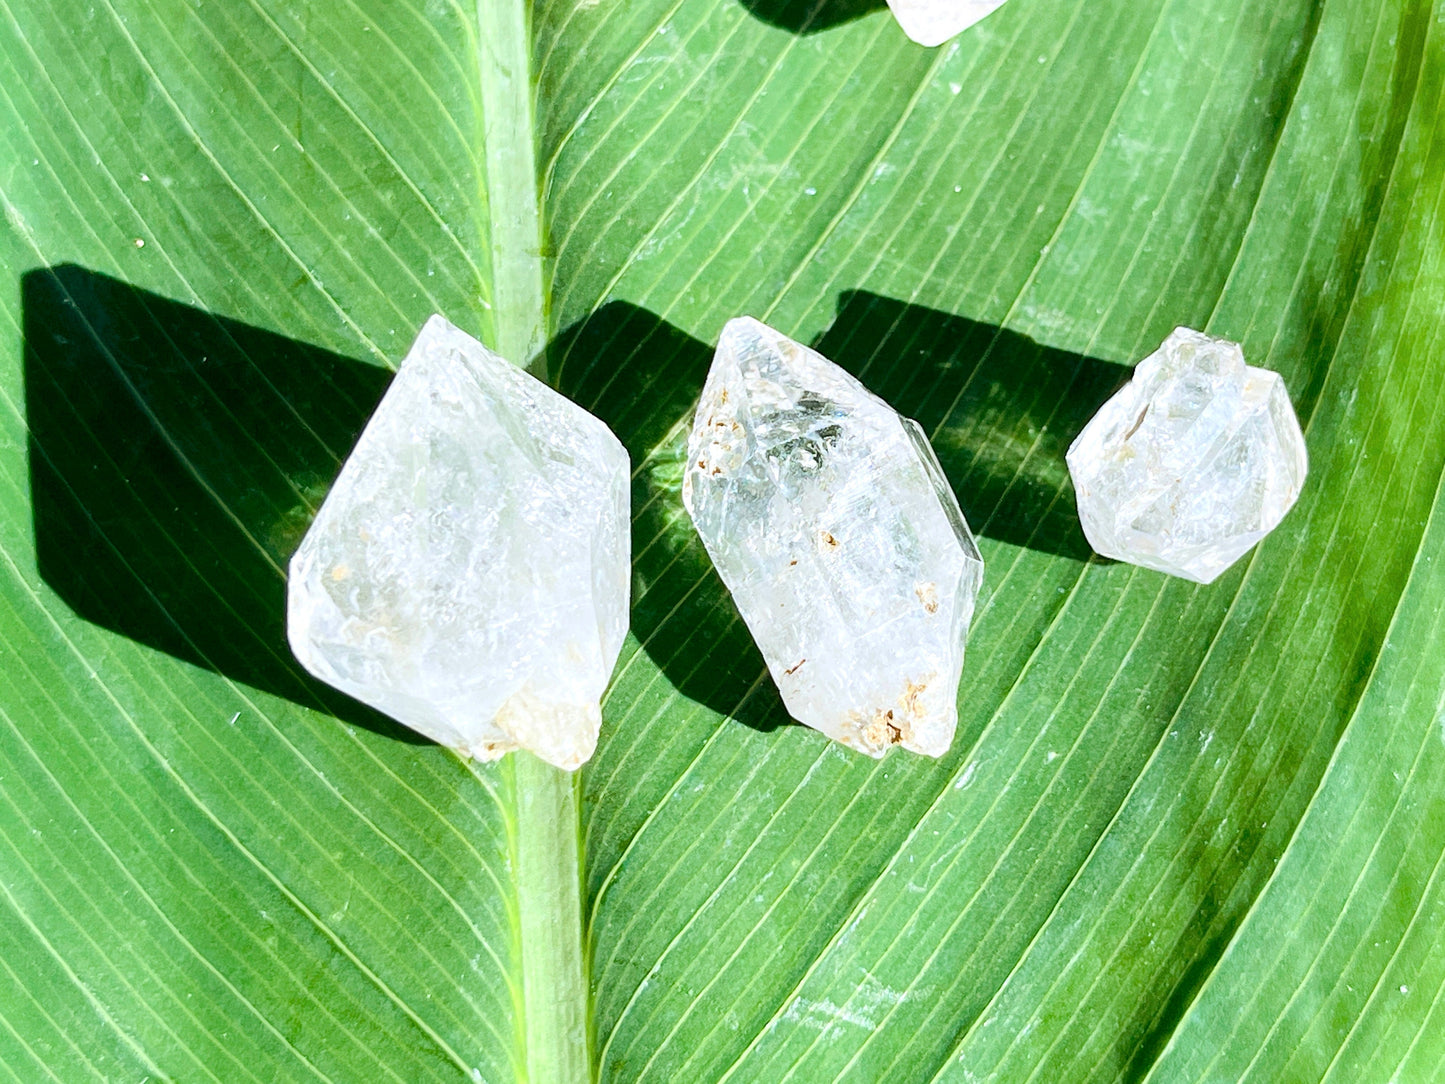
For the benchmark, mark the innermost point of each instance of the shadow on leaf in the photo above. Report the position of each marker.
(811, 16)
(1000, 409)
(642, 376)
(176, 458)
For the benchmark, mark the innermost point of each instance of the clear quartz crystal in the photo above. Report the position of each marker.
(933, 22)
(468, 574)
(1195, 460)
(830, 521)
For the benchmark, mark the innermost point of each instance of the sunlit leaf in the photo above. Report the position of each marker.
(1185, 833)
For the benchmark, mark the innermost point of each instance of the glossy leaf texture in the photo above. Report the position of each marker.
(1184, 833)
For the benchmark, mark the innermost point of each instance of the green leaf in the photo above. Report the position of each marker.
(1184, 833)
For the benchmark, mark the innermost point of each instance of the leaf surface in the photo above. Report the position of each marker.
(1184, 833)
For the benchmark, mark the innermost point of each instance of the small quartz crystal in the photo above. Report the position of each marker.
(1195, 460)
(933, 22)
(830, 521)
(468, 574)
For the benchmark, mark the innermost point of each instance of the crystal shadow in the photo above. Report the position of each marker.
(1001, 409)
(811, 16)
(176, 459)
(642, 376)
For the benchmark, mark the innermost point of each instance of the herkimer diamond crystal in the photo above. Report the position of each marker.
(933, 22)
(1191, 463)
(830, 521)
(468, 574)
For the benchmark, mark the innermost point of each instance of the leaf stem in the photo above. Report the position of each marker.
(511, 186)
(549, 904)
(547, 860)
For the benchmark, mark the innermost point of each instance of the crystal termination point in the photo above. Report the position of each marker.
(830, 521)
(469, 572)
(1191, 463)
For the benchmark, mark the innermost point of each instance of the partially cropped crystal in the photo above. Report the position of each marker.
(830, 521)
(1195, 460)
(933, 22)
(468, 574)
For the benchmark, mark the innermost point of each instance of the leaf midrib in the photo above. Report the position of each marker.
(509, 189)
(553, 1017)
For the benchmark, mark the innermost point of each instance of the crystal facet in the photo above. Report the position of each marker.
(830, 521)
(1191, 463)
(468, 574)
(933, 22)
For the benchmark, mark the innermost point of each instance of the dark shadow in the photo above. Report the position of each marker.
(176, 458)
(1002, 410)
(810, 16)
(642, 376)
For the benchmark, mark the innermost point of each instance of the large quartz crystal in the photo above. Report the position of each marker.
(468, 574)
(1195, 460)
(830, 522)
(933, 22)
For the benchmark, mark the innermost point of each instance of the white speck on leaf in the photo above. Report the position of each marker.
(966, 778)
(868, 1004)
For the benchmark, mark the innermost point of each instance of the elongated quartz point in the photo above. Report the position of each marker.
(1191, 463)
(933, 22)
(830, 521)
(468, 574)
